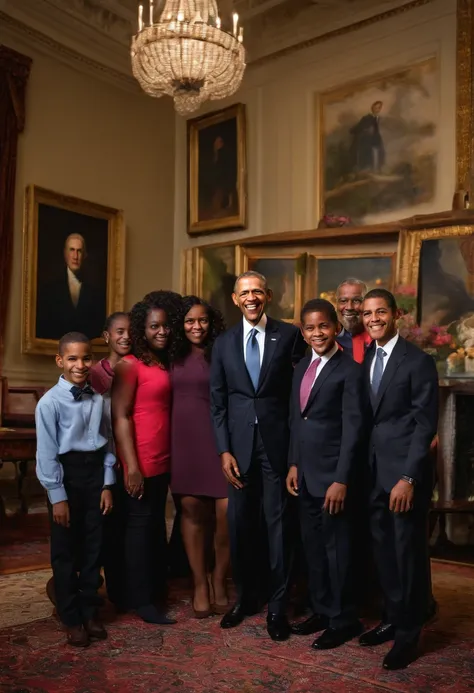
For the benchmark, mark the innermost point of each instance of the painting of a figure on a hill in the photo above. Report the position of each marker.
(379, 145)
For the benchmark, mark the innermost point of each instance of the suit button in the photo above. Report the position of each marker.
(305, 418)
(251, 425)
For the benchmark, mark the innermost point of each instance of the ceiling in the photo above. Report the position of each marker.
(98, 31)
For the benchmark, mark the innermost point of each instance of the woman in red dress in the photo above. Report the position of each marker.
(141, 410)
(197, 481)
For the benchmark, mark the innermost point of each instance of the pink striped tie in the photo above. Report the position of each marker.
(307, 383)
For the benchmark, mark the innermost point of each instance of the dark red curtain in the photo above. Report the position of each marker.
(14, 71)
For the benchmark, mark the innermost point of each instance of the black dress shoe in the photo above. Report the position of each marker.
(236, 615)
(378, 635)
(278, 627)
(334, 637)
(400, 656)
(313, 624)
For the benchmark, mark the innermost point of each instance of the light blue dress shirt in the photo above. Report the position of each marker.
(64, 425)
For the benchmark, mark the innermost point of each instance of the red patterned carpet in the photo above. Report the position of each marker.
(198, 657)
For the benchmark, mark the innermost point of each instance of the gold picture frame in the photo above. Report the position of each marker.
(289, 267)
(50, 218)
(217, 171)
(456, 291)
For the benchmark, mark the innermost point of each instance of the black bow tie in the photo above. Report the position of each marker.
(77, 391)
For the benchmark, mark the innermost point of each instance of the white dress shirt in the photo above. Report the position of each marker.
(324, 359)
(388, 348)
(74, 287)
(260, 336)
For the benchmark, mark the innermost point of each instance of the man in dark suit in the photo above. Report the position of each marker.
(402, 383)
(367, 148)
(70, 304)
(251, 372)
(326, 426)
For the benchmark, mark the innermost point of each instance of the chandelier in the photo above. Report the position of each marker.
(186, 54)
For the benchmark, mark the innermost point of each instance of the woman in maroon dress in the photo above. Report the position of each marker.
(196, 476)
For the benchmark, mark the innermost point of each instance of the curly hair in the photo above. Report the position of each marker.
(181, 346)
(170, 303)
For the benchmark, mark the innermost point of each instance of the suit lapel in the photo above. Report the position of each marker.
(396, 358)
(323, 376)
(238, 338)
(272, 337)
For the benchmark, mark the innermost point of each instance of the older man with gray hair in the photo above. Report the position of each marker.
(349, 298)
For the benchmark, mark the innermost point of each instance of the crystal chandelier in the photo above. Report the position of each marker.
(186, 54)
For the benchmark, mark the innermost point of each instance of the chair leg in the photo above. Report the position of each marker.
(23, 470)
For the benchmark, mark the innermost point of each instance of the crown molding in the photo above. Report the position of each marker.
(335, 33)
(31, 37)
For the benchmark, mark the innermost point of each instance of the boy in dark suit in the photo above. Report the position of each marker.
(402, 382)
(327, 417)
(75, 466)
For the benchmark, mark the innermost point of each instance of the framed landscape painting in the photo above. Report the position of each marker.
(73, 269)
(217, 195)
(285, 274)
(217, 272)
(378, 145)
(376, 271)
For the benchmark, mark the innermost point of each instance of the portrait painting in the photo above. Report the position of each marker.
(217, 275)
(378, 145)
(73, 269)
(375, 271)
(446, 280)
(217, 171)
(285, 282)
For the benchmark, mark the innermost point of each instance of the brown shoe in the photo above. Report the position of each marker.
(77, 636)
(95, 630)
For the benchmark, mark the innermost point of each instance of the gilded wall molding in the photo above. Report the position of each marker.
(465, 97)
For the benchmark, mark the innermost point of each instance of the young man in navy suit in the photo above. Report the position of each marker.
(327, 419)
(251, 372)
(402, 383)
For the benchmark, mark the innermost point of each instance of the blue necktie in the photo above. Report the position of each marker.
(252, 358)
(378, 370)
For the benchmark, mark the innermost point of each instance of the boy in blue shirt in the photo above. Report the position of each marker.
(75, 466)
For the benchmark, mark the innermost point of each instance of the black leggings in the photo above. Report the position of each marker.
(145, 543)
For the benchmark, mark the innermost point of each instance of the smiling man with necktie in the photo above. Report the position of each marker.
(326, 424)
(251, 372)
(402, 383)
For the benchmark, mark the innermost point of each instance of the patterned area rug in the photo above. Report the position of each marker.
(198, 657)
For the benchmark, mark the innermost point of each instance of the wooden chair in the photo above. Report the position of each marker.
(17, 411)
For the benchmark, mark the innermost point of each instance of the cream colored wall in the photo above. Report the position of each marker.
(282, 119)
(89, 139)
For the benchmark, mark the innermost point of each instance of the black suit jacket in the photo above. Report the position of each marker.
(404, 415)
(234, 402)
(326, 436)
(56, 314)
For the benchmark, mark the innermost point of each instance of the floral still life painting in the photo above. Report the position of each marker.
(379, 145)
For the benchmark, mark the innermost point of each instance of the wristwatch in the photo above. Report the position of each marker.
(107, 487)
(410, 479)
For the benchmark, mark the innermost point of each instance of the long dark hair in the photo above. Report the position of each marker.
(170, 303)
(181, 346)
